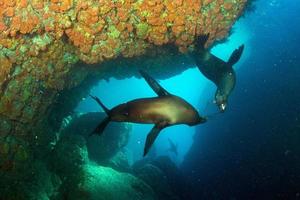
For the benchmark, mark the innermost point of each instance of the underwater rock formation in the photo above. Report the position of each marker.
(100, 149)
(83, 180)
(120, 161)
(106, 183)
(157, 180)
(36, 182)
(163, 176)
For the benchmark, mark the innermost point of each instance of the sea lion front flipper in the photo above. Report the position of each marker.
(151, 138)
(101, 104)
(156, 87)
(235, 56)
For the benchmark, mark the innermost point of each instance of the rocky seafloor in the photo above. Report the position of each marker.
(82, 167)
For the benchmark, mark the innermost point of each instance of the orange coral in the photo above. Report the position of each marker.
(9, 12)
(91, 25)
(3, 27)
(61, 5)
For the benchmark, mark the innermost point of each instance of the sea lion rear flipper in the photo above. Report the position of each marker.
(235, 56)
(100, 128)
(157, 88)
(151, 138)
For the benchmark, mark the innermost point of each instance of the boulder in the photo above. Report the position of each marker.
(103, 183)
(163, 176)
(100, 148)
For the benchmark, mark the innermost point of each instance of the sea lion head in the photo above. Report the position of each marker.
(202, 120)
(225, 88)
(197, 119)
(221, 100)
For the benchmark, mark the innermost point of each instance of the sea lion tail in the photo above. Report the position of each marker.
(236, 55)
(200, 41)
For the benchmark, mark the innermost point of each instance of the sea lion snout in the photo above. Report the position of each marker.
(198, 120)
(203, 120)
(222, 107)
(221, 101)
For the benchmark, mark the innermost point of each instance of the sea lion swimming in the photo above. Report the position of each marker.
(163, 111)
(221, 73)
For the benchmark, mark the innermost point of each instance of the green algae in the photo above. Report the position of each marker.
(142, 30)
(70, 58)
(42, 40)
(113, 32)
(22, 154)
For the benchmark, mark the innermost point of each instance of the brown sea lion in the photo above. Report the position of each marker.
(163, 111)
(220, 72)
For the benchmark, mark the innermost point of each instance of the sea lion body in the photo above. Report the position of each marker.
(221, 73)
(169, 109)
(162, 111)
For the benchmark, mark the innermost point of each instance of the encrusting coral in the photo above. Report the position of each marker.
(105, 29)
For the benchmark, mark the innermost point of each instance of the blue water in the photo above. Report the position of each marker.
(264, 104)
